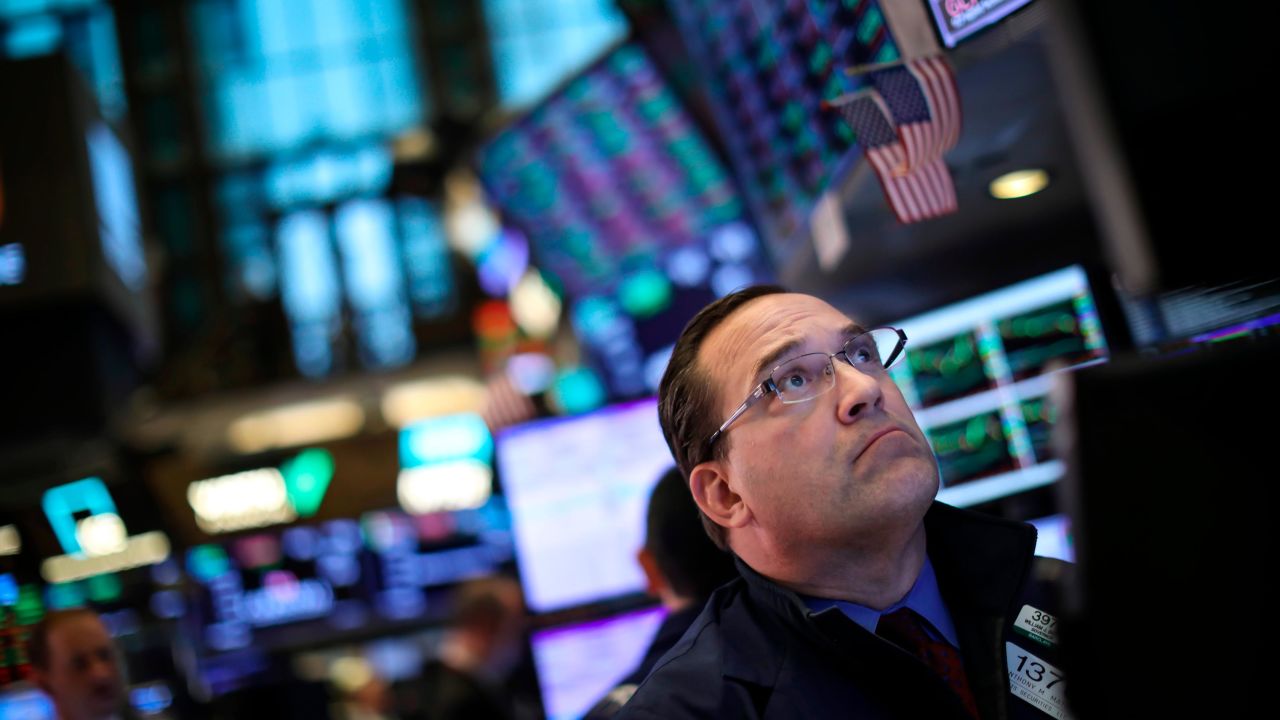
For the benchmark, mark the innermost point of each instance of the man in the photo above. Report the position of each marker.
(682, 569)
(76, 664)
(477, 653)
(861, 597)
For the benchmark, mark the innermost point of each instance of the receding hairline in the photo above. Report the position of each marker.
(41, 648)
(778, 352)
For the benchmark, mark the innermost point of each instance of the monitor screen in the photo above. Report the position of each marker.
(26, 704)
(956, 20)
(578, 489)
(1053, 537)
(578, 664)
(279, 588)
(115, 196)
(977, 377)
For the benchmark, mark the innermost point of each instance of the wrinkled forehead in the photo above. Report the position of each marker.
(758, 329)
(78, 635)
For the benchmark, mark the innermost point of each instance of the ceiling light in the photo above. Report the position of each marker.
(1020, 183)
(408, 402)
(292, 425)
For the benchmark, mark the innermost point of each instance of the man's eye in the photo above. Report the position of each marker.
(794, 381)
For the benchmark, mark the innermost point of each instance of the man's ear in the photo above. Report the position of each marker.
(655, 583)
(713, 491)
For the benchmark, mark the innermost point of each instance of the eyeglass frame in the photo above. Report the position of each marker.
(768, 385)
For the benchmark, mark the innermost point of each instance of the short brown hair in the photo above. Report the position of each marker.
(688, 403)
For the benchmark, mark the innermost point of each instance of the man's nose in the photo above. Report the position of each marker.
(102, 669)
(858, 392)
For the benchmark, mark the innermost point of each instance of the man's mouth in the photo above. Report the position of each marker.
(876, 436)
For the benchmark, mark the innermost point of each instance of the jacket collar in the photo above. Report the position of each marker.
(980, 561)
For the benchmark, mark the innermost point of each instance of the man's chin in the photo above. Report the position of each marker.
(104, 706)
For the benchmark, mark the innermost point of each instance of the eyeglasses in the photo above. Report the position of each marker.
(805, 377)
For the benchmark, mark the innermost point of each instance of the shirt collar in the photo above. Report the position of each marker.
(924, 598)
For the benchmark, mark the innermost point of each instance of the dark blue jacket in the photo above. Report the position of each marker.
(756, 651)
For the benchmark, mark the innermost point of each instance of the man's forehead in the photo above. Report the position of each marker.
(763, 323)
(79, 632)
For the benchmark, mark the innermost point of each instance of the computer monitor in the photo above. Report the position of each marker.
(578, 489)
(578, 664)
(1170, 491)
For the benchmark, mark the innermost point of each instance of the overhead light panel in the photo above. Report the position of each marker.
(293, 425)
(1020, 183)
(408, 402)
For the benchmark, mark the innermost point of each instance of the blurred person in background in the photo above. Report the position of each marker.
(362, 694)
(76, 663)
(682, 567)
(481, 645)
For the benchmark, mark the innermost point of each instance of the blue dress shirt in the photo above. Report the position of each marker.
(924, 598)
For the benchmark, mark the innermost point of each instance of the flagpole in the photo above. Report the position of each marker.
(844, 99)
(857, 70)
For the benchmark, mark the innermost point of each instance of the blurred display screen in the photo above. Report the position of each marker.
(266, 588)
(26, 704)
(20, 608)
(627, 209)
(1053, 537)
(976, 376)
(956, 20)
(768, 67)
(610, 168)
(115, 195)
(578, 664)
(578, 490)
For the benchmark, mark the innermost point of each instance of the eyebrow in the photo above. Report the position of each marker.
(775, 355)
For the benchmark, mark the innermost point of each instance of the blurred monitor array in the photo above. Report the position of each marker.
(977, 377)
(277, 589)
(767, 68)
(627, 209)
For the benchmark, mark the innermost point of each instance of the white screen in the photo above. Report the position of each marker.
(578, 664)
(578, 489)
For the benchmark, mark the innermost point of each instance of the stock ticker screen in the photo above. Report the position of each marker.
(627, 208)
(977, 375)
(768, 67)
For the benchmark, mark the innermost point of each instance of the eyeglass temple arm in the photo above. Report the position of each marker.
(755, 396)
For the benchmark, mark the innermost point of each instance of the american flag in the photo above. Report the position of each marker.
(505, 404)
(919, 194)
(924, 104)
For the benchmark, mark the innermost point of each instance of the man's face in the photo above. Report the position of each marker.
(837, 469)
(83, 676)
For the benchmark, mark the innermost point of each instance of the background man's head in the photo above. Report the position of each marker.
(76, 663)
(487, 620)
(845, 464)
(682, 565)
